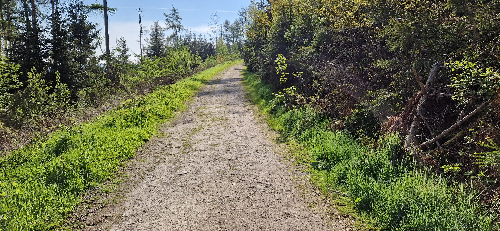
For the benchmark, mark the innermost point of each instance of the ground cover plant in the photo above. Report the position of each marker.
(395, 193)
(41, 183)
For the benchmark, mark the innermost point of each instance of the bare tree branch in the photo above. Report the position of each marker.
(415, 125)
(453, 127)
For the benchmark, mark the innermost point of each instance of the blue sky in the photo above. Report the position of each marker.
(195, 14)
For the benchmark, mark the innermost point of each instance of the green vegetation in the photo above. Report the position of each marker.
(51, 75)
(395, 194)
(427, 70)
(41, 183)
(55, 141)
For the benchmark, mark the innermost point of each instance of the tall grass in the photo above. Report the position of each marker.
(397, 195)
(41, 183)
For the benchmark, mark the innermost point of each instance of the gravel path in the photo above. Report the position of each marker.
(214, 168)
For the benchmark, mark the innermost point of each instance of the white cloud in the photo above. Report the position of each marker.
(188, 10)
(200, 29)
(194, 10)
(127, 30)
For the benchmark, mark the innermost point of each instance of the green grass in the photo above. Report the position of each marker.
(41, 183)
(394, 196)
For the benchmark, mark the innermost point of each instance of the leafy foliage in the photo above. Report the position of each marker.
(472, 83)
(8, 81)
(198, 45)
(491, 158)
(38, 100)
(221, 48)
(395, 194)
(364, 65)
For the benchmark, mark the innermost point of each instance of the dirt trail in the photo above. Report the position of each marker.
(214, 168)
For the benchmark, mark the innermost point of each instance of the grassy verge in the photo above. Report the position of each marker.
(395, 196)
(41, 183)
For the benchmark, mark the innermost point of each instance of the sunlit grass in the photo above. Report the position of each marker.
(41, 183)
(394, 196)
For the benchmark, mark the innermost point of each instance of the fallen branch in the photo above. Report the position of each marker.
(415, 125)
(453, 127)
(431, 131)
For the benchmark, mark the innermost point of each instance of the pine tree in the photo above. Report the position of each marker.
(173, 22)
(156, 42)
(83, 37)
(121, 51)
(26, 47)
(72, 43)
(59, 45)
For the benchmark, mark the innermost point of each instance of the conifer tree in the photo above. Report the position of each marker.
(156, 42)
(173, 22)
(26, 48)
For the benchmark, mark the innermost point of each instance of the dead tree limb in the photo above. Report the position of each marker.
(431, 131)
(453, 127)
(417, 120)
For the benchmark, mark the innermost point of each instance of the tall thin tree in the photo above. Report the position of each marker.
(140, 31)
(106, 34)
(2, 26)
(173, 22)
(33, 16)
(9, 25)
(4, 9)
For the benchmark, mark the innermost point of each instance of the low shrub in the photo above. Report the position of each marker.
(38, 101)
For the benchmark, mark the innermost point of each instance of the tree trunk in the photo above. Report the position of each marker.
(27, 15)
(3, 27)
(53, 3)
(454, 126)
(33, 16)
(8, 27)
(106, 35)
(411, 139)
(27, 23)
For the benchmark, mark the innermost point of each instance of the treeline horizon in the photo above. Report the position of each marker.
(49, 66)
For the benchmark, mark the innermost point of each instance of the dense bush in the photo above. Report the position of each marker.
(396, 194)
(38, 101)
(9, 81)
(427, 70)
